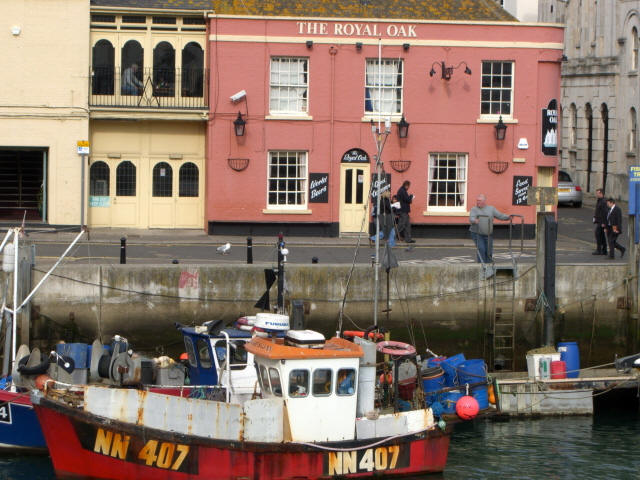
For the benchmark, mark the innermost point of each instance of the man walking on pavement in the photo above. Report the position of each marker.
(614, 228)
(404, 222)
(481, 219)
(600, 220)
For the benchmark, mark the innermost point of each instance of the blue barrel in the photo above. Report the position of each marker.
(449, 400)
(435, 361)
(432, 382)
(450, 366)
(472, 371)
(77, 351)
(570, 354)
(481, 394)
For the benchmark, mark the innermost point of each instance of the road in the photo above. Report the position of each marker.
(575, 244)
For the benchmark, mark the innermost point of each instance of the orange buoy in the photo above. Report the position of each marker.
(41, 381)
(467, 407)
(492, 394)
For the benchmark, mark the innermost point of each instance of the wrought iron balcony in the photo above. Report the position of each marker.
(160, 88)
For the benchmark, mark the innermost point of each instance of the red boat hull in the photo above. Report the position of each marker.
(83, 445)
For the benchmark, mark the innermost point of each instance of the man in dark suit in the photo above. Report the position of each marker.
(600, 221)
(614, 227)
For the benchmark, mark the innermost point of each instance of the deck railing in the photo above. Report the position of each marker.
(161, 88)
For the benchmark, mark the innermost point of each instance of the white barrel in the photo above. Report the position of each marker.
(8, 257)
(366, 377)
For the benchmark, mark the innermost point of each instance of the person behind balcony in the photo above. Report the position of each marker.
(131, 85)
(481, 219)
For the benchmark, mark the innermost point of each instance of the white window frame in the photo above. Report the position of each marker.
(459, 169)
(288, 86)
(302, 178)
(496, 87)
(391, 70)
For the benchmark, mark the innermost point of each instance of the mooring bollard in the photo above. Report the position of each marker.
(314, 259)
(249, 250)
(123, 250)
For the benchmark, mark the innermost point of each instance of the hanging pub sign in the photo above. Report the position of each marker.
(318, 188)
(355, 155)
(380, 186)
(520, 189)
(550, 128)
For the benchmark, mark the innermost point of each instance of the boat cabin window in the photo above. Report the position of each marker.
(237, 353)
(274, 378)
(299, 383)
(346, 381)
(188, 345)
(322, 382)
(203, 353)
(264, 379)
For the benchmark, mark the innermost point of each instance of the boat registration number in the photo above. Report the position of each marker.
(160, 454)
(378, 459)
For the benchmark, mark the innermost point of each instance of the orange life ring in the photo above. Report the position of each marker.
(359, 333)
(396, 348)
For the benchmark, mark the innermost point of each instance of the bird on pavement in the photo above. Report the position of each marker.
(224, 249)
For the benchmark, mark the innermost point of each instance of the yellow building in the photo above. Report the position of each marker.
(43, 108)
(149, 106)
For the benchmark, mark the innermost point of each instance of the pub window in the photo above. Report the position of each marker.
(162, 180)
(132, 68)
(192, 70)
(126, 179)
(189, 180)
(102, 68)
(496, 93)
(447, 181)
(287, 180)
(164, 70)
(99, 179)
(289, 85)
(383, 87)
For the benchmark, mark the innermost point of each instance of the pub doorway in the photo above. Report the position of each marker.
(23, 185)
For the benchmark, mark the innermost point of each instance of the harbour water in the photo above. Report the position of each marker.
(601, 447)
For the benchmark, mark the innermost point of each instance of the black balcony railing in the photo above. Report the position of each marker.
(162, 88)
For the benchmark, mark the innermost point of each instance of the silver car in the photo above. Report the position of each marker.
(568, 191)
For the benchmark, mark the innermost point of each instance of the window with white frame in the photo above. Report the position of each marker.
(634, 49)
(496, 94)
(287, 179)
(633, 130)
(447, 181)
(289, 85)
(383, 87)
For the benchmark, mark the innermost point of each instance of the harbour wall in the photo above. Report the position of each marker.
(447, 308)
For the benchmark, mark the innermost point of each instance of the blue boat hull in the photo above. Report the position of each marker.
(19, 427)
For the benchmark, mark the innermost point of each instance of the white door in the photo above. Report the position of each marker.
(354, 195)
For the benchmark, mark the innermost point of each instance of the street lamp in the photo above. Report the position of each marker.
(501, 129)
(239, 124)
(403, 128)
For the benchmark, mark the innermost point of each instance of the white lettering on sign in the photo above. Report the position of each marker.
(356, 29)
(317, 183)
(317, 193)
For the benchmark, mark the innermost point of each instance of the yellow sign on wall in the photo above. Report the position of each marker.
(83, 147)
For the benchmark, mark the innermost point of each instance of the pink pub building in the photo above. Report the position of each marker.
(470, 106)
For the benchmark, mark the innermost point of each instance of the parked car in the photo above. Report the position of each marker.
(568, 191)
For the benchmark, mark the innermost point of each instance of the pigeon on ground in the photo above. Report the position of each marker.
(224, 249)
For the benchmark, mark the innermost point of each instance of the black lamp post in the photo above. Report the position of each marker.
(239, 124)
(501, 129)
(403, 128)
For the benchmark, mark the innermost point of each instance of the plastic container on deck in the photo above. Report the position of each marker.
(475, 371)
(570, 354)
(450, 366)
(558, 369)
(449, 400)
(77, 351)
(432, 382)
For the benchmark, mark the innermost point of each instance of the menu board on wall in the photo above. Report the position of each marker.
(520, 187)
(318, 188)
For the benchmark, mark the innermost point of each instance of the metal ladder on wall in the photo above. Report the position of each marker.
(503, 315)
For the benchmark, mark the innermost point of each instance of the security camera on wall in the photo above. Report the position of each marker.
(236, 97)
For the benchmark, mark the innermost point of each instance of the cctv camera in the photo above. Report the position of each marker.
(236, 97)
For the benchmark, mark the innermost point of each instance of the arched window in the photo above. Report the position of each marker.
(189, 180)
(573, 125)
(162, 180)
(102, 67)
(192, 70)
(634, 49)
(126, 179)
(633, 130)
(132, 68)
(99, 179)
(164, 70)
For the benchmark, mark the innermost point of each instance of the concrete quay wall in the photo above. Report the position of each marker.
(447, 307)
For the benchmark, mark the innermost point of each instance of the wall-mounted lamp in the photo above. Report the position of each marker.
(238, 125)
(403, 128)
(405, 46)
(501, 129)
(448, 71)
(309, 43)
(358, 46)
